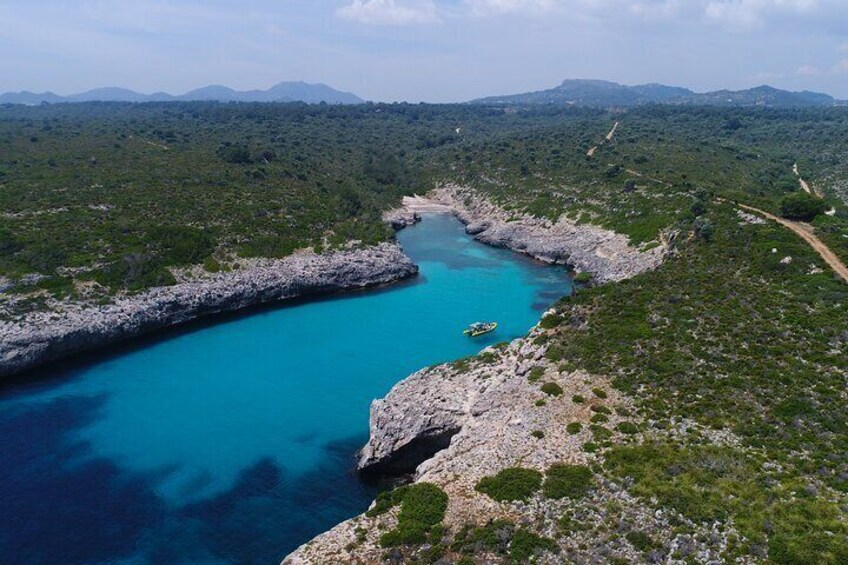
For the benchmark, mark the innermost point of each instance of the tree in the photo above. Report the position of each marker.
(704, 229)
(235, 154)
(802, 206)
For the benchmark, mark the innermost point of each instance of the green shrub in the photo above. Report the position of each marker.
(627, 428)
(515, 483)
(526, 544)
(599, 392)
(552, 389)
(590, 447)
(582, 278)
(578, 399)
(538, 434)
(598, 409)
(574, 428)
(567, 481)
(535, 374)
(211, 265)
(550, 321)
(598, 419)
(422, 509)
(802, 206)
(568, 525)
(640, 540)
(540, 402)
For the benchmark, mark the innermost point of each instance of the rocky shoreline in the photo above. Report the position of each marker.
(454, 424)
(606, 255)
(41, 337)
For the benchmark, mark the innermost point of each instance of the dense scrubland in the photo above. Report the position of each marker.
(728, 335)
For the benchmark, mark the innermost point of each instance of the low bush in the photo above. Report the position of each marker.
(802, 206)
(640, 540)
(514, 483)
(526, 544)
(567, 481)
(535, 374)
(552, 389)
(422, 509)
(574, 428)
(627, 428)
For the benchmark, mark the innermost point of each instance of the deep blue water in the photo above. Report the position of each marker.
(234, 441)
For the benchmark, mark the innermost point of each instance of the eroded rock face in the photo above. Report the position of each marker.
(605, 254)
(491, 409)
(45, 336)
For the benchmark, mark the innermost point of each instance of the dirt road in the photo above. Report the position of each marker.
(805, 232)
(608, 137)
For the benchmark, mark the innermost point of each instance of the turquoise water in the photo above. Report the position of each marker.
(235, 441)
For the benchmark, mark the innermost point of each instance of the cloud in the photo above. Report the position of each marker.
(483, 8)
(807, 71)
(390, 12)
(747, 14)
(841, 67)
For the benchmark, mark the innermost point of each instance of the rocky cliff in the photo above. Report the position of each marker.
(455, 424)
(41, 337)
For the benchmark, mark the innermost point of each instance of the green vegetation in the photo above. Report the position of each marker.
(526, 544)
(627, 428)
(567, 481)
(422, 509)
(640, 540)
(536, 373)
(724, 335)
(502, 538)
(582, 278)
(514, 483)
(552, 389)
(802, 206)
(709, 483)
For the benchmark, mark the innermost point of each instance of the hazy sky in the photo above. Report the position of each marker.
(433, 50)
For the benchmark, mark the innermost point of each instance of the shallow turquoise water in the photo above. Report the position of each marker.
(234, 441)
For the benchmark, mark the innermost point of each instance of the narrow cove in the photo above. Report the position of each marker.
(234, 442)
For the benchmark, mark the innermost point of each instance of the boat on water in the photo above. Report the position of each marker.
(480, 328)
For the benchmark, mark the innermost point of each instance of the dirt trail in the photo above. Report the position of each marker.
(805, 232)
(612, 132)
(608, 137)
(804, 186)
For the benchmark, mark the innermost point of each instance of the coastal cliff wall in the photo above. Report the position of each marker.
(41, 337)
(607, 255)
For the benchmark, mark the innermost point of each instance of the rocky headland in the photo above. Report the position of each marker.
(454, 424)
(73, 327)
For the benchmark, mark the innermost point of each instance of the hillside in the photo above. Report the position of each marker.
(599, 93)
(688, 410)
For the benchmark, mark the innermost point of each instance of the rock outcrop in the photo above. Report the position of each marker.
(607, 255)
(41, 337)
(497, 415)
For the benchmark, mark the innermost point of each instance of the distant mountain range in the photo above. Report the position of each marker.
(600, 93)
(282, 92)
